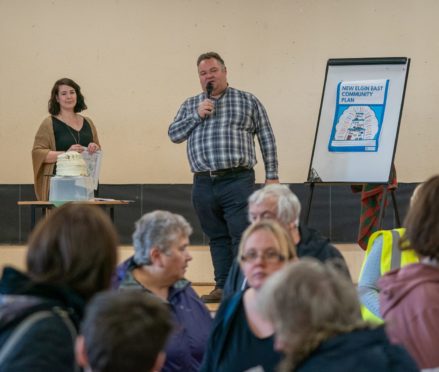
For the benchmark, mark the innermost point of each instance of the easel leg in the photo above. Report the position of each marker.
(308, 211)
(395, 209)
(382, 208)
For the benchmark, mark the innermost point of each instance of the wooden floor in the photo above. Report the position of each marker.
(200, 270)
(205, 289)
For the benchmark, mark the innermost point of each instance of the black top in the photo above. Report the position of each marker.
(244, 350)
(66, 136)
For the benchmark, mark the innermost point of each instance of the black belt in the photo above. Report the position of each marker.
(223, 172)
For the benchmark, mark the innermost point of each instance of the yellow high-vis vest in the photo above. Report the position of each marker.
(392, 257)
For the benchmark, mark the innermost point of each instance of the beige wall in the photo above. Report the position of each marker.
(135, 61)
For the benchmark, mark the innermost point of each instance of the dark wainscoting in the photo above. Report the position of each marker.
(335, 210)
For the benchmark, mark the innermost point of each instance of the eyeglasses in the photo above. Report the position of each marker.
(267, 256)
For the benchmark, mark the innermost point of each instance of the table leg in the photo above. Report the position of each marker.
(112, 213)
(32, 217)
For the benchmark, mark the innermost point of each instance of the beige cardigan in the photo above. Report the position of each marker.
(43, 143)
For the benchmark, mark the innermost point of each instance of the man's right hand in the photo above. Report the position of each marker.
(205, 108)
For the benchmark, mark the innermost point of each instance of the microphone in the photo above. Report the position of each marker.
(209, 89)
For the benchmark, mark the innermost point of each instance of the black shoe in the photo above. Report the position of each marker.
(213, 297)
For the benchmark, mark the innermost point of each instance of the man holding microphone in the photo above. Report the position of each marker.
(219, 125)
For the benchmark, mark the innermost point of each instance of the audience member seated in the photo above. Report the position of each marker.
(383, 254)
(161, 256)
(123, 331)
(241, 339)
(71, 255)
(409, 297)
(316, 316)
(280, 203)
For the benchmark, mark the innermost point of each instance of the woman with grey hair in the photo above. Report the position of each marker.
(316, 316)
(157, 268)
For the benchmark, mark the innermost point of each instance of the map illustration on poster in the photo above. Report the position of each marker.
(358, 115)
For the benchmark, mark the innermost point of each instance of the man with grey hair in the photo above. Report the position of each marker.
(278, 202)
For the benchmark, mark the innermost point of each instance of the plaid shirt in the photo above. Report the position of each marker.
(225, 139)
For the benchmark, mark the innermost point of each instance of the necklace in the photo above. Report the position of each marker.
(74, 138)
(69, 129)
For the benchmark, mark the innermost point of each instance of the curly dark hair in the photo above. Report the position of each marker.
(210, 55)
(422, 220)
(54, 108)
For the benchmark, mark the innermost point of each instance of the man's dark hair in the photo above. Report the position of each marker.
(125, 331)
(54, 107)
(210, 55)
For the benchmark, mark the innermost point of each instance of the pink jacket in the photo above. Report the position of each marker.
(409, 301)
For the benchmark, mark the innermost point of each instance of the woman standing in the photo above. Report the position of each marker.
(64, 130)
(241, 339)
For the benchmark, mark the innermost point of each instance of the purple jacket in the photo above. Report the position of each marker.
(186, 345)
(409, 301)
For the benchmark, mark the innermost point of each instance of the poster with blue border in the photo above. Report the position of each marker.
(358, 116)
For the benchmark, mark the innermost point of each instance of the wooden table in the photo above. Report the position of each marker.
(47, 205)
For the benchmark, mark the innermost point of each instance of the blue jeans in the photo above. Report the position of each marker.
(221, 205)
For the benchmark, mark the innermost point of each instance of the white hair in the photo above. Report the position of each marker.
(288, 205)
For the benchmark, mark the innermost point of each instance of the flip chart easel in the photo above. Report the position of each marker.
(358, 124)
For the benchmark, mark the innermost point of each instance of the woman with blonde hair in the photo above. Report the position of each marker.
(317, 320)
(241, 339)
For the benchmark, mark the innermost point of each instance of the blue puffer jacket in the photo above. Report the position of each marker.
(187, 344)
